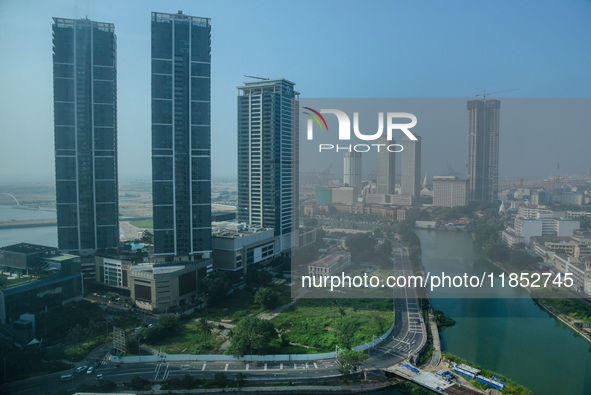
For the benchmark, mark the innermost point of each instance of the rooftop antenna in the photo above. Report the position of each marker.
(256, 78)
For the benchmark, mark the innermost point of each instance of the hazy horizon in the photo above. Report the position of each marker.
(342, 49)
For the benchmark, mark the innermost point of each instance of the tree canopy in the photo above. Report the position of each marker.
(266, 298)
(251, 334)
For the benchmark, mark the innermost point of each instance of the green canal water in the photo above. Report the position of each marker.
(509, 334)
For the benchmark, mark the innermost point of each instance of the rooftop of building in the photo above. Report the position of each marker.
(235, 230)
(37, 284)
(61, 258)
(27, 248)
(179, 16)
(156, 269)
(329, 260)
(70, 23)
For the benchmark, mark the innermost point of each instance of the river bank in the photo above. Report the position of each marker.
(507, 331)
(561, 316)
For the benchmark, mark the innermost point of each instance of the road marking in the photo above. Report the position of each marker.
(265, 366)
(204, 365)
(166, 372)
(226, 368)
(281, 366)
(247, 366)
(316, 366)
(157, 371)
(295, 367)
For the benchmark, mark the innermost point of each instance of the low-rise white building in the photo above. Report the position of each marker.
(330, 265)
(544, 224)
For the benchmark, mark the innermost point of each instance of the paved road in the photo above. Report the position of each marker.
(403, 341)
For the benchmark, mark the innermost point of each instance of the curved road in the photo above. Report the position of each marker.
(406, 337)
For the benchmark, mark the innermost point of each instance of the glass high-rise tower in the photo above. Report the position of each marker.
(85, 125)
(483, 149)
(268, 156)
(181, 148)
(386, 168)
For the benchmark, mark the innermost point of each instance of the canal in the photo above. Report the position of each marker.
(508, 334)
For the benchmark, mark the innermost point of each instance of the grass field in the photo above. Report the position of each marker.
(17, 281)
(310, 322)
(308, 325)
(190, 341)
(143, 223)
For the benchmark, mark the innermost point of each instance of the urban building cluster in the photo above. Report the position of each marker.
(188, 241)
(555, 236)
(384, 197)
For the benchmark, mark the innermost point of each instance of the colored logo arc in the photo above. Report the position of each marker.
(316, 118)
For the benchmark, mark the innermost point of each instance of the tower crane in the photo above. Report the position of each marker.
(256, 78)
(484, 93)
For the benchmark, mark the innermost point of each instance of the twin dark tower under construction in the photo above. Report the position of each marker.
(85, 107)
(85, 122)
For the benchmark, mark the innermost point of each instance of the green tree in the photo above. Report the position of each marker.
(147, 237)
(240, 379)
(257, 278)
(385, 250)
(214, 288)
(351, 360)
(361, 246)
(167, 325)
(344, 330)
(203, 326)
(139, 384)
(266, 298)
(3, 281)
(251, 334)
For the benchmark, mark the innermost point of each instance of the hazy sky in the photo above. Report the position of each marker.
(346, 49)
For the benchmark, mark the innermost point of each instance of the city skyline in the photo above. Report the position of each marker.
(28, 59)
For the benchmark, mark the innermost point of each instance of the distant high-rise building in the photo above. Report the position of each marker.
(411, 167)
(386, 168)
(181, 147)
(483, 149)
(352, 171)
(85, 125)
(268, 149)
(449, 191)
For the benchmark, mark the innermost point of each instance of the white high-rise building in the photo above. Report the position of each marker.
(449, 191)
(411, 167)
(268, 147)
(352, 171)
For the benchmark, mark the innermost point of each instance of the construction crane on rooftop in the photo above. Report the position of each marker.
(256, 78)
(484, 93)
